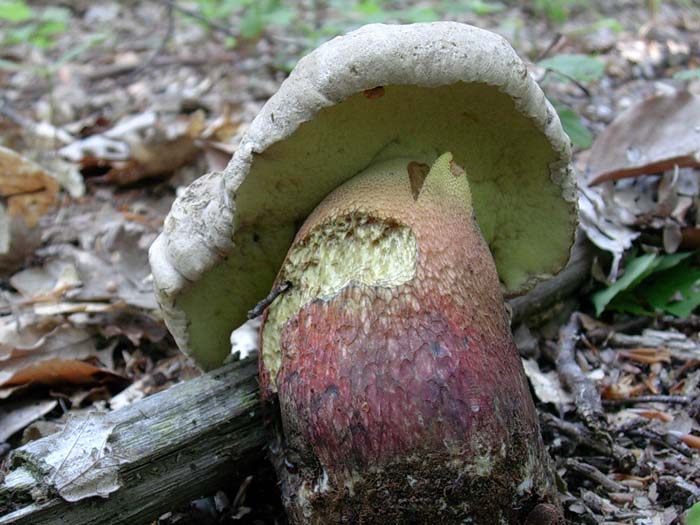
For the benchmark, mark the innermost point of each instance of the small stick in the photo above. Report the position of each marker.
(658, 398)
(580, 435)
(667, 440)
(200, 18)
(594, 474)
(170, 15)
(274, 293)
(586, 396)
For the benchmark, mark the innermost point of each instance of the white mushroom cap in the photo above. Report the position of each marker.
(440, 87)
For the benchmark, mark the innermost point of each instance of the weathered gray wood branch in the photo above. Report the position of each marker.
(145, 459)
(171, 447)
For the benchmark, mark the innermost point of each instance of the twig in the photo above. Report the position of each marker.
(658, 398)
(594, 474)
(662, 440)
(602, 444)
(200, 18)
(274, 293)
(116, 70)
(571, 79)
(558, 39)
(586, 396)
(161, 46)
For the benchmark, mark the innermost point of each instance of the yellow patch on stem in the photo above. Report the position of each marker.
(372, 248)
(351, 249)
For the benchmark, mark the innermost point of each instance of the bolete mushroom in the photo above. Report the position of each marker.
(399, 183)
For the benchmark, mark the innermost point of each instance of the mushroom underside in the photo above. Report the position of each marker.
(517, 202)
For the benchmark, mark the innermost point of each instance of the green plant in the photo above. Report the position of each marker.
(693, 517)
(21, 23)
(253, 16)
(572, 123)
(653, 283)
(554, 10)
(577, 67)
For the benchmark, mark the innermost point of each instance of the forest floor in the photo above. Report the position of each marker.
(122, 104)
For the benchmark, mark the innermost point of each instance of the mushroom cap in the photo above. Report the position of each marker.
(380, 92)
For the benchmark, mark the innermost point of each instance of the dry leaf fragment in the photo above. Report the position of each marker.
(27, 192)
(14, 416)
(28, 189)
(689, 439)
(647, 355)
(48, 351)
(650, 137)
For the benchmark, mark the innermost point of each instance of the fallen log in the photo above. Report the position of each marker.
(133, 464)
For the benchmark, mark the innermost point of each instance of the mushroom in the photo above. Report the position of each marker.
(401, 181)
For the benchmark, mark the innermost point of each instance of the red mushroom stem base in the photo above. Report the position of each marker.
(401, 393)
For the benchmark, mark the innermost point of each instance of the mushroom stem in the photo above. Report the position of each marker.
(400, 389)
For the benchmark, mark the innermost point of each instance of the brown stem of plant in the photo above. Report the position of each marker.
(657, 398)
(595, 475)
(586, 397)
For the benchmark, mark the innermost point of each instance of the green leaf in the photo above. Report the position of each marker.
(280, 17)
(252, 23)
(369, 8)
(628, 302)
(688, 74)
(635, 271)
(555, 10)
(53, 27)
(693, 517)
(676, 291)
(418, 14)
(580, 135)
(582, 68)
(609, 23)
(15, 11)
(482, 8)
(654, 283)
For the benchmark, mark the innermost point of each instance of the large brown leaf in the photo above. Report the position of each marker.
(650, 137)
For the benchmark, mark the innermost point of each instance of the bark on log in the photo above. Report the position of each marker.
(147, 458)
(172, 447)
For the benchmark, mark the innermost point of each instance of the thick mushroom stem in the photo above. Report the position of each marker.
(400, 390)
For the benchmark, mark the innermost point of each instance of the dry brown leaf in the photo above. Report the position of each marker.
(28, 189)
(152, 160)
(14, 416)
(27, 192)
(689, 439)
(650, 137)
(655, 414)
(139, 147)
(56, 371)
(47, 351)
(647, 355)
(690, 238)
(625, 388)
